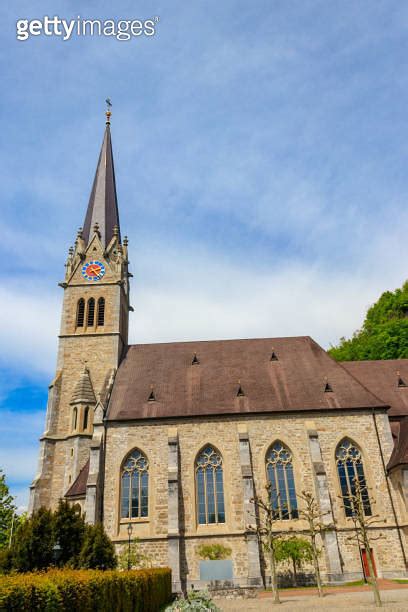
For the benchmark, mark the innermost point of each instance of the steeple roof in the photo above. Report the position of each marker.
(83, 392)
(103, 204)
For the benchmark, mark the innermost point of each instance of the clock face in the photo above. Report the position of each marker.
(93, 270)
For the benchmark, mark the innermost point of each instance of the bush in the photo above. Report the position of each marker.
(214, 552)
(86, 591)
(34, 541)
(97, 551)
(135, 559)
(199, 601)
(69, 529)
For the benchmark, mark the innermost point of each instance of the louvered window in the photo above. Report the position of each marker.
(101, 311)
(80, 313)
(91, 312)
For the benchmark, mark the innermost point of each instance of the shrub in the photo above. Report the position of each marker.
(214, 552)
(97, 551)
(86, 591)
(135, 558)
(34, 541)
(199, 601)
(69, 529)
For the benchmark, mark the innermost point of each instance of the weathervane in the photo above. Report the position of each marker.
(108, 110)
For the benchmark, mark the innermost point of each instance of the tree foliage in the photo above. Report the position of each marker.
(384, 334)
(214, 552)
(69, 529)
(7, 511)
(34, 542)
(295, 550)
(97, 551)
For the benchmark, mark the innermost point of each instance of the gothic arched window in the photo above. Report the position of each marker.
(279, 468)
(80, 313)
(101, 312)
(210, 487)
(351, 470)
(91, 312)
(135, 486)
(86, 417)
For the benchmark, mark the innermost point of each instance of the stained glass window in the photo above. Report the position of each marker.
(350, 469)
(279, 468)
(210, 487)
(135, 486)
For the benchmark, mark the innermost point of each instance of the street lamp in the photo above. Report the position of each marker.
(56, 551)
(129, 530)
(353, 516)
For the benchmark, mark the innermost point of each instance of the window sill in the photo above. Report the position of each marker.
(134, 521)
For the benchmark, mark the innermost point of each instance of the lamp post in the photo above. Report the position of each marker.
(353, 516)
(56, 551)
(129, 530)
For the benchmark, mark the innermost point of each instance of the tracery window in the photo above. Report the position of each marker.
(101, 312)
(350, 469)
(80, 313)
(91, 312)
(135, 486)
(279, 468)
(210, 487)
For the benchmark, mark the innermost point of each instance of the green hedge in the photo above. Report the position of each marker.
(86, 590)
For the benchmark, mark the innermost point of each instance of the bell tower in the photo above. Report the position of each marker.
(92, 341)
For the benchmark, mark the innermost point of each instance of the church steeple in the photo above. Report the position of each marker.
(103, 204)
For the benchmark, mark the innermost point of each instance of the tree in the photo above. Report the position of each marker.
(34, 542)
(310, 512)
(384, 334)
(296, 550)
(97, 551)
(7, 512)
(358, 501)
(266, 518)
(69, 529)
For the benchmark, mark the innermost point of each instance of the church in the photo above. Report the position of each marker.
(168, 443)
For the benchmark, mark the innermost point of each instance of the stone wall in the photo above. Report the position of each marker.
(225, 433)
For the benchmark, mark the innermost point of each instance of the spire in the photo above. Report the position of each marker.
(83, 392)
(103, 204)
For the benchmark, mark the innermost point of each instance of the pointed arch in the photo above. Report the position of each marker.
(209, 477)
(91, 312)
(80, 314)
(134, 496)
(279, 470)
(350, 468)
(101, 312)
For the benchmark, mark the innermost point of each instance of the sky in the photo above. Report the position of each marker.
(260, 153)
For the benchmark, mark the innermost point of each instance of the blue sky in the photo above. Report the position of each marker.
(260, 152)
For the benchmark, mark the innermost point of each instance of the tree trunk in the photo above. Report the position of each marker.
(372, 578)
(274, 581)
(317, 568)
(294, 573)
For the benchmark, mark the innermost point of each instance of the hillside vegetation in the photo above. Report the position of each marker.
(384, 334)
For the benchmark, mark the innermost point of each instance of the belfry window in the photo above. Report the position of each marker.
(135, 486)
(74, 419)
(80, 313)
(101, 312)
(91, 312)
(86, 417)
(279, 469)
(351, 470)
(210, 487)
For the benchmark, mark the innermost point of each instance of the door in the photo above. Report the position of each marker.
(365, 562)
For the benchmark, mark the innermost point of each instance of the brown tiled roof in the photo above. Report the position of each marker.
(103, 204)
(295, 381)
(400, 453)
(382, 379)
(78, 487)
